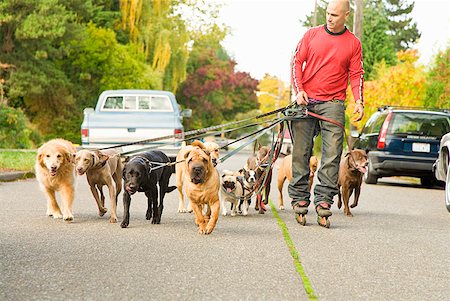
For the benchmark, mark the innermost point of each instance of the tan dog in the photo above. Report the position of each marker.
(102, 168)
(351, 171)
(202, 183)
(55, 171)
(285, 172)
(212, 148)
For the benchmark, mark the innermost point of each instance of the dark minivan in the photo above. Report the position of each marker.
(403, 141)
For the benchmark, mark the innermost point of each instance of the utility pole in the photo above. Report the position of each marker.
(358, 32)
(314, 20)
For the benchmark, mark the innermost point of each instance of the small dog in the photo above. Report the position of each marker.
(202, 183)
(102, 168)
(144, 173)
(232, 191)
(285, 172)
(351, 171)
(55, 171)
(212, 148)
(263, 173)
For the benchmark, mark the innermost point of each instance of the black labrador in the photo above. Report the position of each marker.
(144, 173)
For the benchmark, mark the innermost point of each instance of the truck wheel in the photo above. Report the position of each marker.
(369, 177)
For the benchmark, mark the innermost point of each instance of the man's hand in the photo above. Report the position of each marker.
(302, 98)
(359, 109)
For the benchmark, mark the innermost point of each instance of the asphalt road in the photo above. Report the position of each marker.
(396, 247)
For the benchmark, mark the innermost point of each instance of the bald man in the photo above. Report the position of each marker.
(326, 59)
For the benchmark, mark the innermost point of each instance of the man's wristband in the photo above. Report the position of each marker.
(359, 102)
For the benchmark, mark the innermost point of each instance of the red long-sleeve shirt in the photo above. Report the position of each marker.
(323, 63)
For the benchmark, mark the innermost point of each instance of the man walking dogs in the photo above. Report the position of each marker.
(326, 58)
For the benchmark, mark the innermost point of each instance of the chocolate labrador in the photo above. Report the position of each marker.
(351, 171)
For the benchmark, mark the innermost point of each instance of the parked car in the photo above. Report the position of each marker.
(442, 167)
(126, 116)
(403, 141)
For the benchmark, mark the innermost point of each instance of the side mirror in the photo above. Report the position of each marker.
(88, 111)
(186, 113)
(354, 134)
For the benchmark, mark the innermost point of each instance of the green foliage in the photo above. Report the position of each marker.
(438, 84)
(14, 132)
(402, 29)
(17, 160)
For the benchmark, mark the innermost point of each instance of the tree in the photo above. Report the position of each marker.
(438, 84)
(214, 90)
(402, 29)
(272, 93)
(402, 85)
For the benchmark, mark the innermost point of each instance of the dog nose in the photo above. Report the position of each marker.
(198, 169)
(214, 161)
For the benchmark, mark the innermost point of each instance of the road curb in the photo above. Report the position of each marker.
(10, 176)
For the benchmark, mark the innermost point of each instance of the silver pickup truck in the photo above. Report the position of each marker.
(126, 116)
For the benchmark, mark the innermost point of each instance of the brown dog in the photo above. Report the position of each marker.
(102, 168)
(351, 171)
(285, 172)
(263, 174)
(202, 186)
(55, 171)
(212, 148)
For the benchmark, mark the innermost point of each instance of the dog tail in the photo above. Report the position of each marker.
(171, 188)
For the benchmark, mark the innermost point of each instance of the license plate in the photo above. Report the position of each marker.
(421, 147)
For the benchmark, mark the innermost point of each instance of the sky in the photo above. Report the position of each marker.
(264, 33)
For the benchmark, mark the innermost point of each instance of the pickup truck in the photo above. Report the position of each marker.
(126, 116)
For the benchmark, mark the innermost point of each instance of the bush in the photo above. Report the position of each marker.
(14, 132)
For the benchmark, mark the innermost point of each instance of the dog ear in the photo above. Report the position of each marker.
(41, 160)
(70, 157)
(102, 158)
(123, 174)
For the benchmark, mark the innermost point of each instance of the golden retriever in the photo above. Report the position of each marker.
(55, 171)
(102, 168)
(202, 186)
(285, 172)
(212, 148)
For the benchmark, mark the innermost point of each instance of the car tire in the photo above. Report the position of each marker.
(369, 177)
(427, 182)
(447, 189)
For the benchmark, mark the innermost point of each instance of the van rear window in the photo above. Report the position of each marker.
(430, 125)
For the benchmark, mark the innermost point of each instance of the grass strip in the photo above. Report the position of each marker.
(19, 160)
(298, 265)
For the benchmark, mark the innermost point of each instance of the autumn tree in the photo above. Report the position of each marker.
(438, 83)
(214, 90)
(401, 85)
(272, 93)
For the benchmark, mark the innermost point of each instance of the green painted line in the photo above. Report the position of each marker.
(298, 265)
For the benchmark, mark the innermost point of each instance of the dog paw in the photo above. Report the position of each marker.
(224, 213)
(124, 224)
(56, 215)
(182, 210)
(113, 219)
(281, 207)
(245, 213)
(233, 213)
(68, 218)
(102, 211)
(208, 230)
(349, 214)
(353, 205)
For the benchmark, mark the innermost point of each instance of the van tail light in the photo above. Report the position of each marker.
(84, 133)
(179, 133)
(383, 132)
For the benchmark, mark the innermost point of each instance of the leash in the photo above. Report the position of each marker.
(183, 137)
